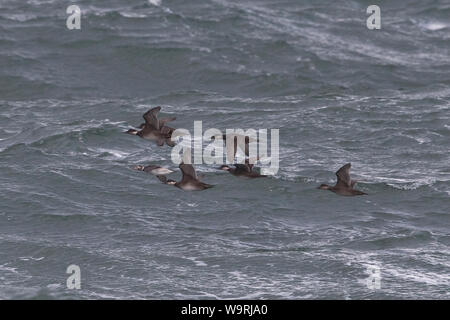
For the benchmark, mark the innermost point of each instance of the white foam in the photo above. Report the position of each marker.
(433, 26)
(115, 153)
(429, 278)
(31, 258)
(132, 15)
(54, 286)
(155, 2)
(198, 263)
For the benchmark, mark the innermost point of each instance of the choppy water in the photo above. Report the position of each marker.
(337, 91)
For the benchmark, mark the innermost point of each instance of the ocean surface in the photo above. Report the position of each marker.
(337, 91)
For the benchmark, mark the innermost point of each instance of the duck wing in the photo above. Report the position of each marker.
(243, 167)
(151, 117)
(188, 171)
(343, 176)
(233, 138)
(250, 165)
(163, 121)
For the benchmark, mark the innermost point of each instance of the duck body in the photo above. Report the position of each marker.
(150, 133)
(192, 185)
(242, 170)
(344, 185)
(164, 133)
(155, 170)
(345, 191)
(189, 181)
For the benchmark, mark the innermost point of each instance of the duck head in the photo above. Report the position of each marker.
(132, 131)
(224, 137)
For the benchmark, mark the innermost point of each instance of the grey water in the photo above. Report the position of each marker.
(337, 91)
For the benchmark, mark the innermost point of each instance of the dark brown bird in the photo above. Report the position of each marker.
(242, 170)
(344, 185)
(189, 181)
(154, 129)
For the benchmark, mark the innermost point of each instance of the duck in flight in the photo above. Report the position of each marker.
(160, 124)
(189, 181)
(154, 129)
(242, 170)
(344, 185)
(155, 170)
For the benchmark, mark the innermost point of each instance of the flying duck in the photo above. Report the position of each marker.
(154, 129)
(189, 181)
(344, 185)
(242, 170)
